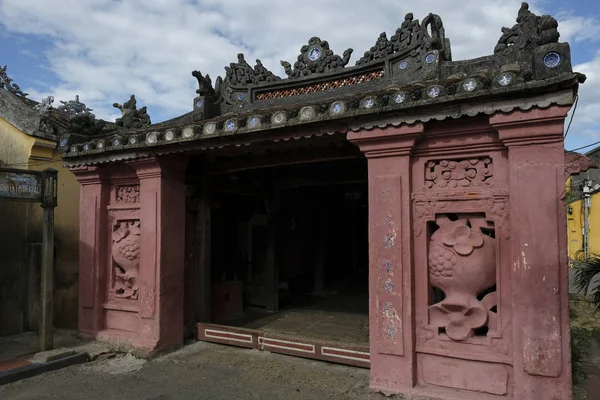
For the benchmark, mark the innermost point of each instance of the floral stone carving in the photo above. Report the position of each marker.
(462, 263)
(458, 173)
(126, 254)
(128, 194)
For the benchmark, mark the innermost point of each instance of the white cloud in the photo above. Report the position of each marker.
(105, 50)
(585, 126)
(575, 28)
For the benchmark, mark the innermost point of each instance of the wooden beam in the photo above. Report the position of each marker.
(275, 160)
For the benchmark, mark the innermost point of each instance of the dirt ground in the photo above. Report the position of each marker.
(207, 371)
(198, 371)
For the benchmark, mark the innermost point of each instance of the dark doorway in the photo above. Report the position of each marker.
(289, 250)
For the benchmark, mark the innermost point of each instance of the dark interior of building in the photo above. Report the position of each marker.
(289, 249)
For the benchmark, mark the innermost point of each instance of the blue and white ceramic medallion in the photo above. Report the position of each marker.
(399, 97)
(369, 102)
(505, 79)
(552, 59)
(199, 103)
(253, 122)
(63, 142)
(469, 85)
(116, 142)
(430, 58)
(433, 91)
(337, 107)
(403, 65)
(314, 54)
(86, 147)
(229, 125)
(240, 96)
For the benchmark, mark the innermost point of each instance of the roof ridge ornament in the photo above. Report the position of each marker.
(6, 82)
(43, 110)
(316, 58)
(81, 119)
(241, 73)
(410, 39)
(132, 117)
(205, 87)
(529, 32)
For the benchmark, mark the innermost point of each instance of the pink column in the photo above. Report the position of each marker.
(162, 247)
(390, 237)
(541, 330)
(93, 256)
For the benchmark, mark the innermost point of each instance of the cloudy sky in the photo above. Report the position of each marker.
(106, 50)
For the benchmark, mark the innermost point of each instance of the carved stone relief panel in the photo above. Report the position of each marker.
(462, 265)
(128, 194)
(465, 173)
(126, 258)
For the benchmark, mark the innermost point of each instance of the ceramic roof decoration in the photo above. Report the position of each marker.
(408, 77)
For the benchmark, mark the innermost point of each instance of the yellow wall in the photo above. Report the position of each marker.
(19, 150)
(575, 226)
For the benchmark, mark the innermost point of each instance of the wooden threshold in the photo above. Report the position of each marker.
(312, 348)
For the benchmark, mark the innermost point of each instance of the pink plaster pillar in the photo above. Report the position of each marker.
(162, 248)
(541, 330)
(390, 237)
(92, 242)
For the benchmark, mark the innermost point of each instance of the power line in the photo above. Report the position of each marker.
(583, 147)
(572, 115)
(28, 164)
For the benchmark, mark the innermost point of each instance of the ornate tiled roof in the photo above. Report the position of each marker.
(407, 78)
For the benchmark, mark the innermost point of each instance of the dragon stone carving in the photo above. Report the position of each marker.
(205, 87)
(316, 58)
(126, 254)
(530, 31)
(81, 119)
(132, 117)
(241, 73)
(7, 83)
(411, 38)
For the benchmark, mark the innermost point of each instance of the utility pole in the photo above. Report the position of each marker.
(50, 188)
(586, 220)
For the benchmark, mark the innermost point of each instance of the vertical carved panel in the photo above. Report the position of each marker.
(126, 256)
(538, 267)
(88, 240)
(462, 263)
(148, 274)
(389, 269)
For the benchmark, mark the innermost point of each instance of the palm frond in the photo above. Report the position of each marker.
(584, 274)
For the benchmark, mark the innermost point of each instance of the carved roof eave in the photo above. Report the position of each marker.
(556, 91)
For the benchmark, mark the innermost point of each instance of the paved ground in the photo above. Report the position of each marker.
(199, 371)
(27, 343)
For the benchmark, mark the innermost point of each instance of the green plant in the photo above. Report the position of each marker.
(581, 340)
(584, 274)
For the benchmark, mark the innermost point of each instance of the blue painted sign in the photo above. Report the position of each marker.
(21, 185)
